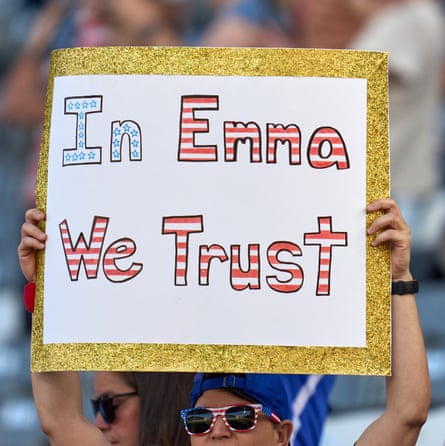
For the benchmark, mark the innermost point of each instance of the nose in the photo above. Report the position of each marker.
(100, 423)
(220, 430)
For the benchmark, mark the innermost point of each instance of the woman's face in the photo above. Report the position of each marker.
(265, 432)
(124, 430)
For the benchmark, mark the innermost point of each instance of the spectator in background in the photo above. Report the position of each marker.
(117, 407)
(141, 408)
(15, 17)
(143, 22)
(58, 24)
(412, 32)
(244, 23)
(440, 247)
(21, 110)
(63, 24)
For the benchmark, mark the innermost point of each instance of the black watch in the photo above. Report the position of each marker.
(401, 287)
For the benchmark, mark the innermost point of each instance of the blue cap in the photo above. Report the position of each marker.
(267, 389)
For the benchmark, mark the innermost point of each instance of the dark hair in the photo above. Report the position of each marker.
(162, 395)
(130, 379)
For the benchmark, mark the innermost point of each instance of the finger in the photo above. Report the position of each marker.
(388, 221)
(34, 215)
(30, 230)
(382, 204)
(397, 238)
(28, 244)
(392, 216)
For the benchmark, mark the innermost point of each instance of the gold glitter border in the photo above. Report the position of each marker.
(374, 359)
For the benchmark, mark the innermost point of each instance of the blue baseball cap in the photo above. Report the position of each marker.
(267, 389)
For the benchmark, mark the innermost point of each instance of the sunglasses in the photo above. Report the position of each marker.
(238, 418)
(105, 405)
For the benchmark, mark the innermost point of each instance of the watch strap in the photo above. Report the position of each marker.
(401, 287)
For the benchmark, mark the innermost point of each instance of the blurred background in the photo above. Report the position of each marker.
(412, 31)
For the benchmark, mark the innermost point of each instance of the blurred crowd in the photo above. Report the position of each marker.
(412, 31)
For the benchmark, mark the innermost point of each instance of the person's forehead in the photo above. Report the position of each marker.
(110, 382)
(219, 398)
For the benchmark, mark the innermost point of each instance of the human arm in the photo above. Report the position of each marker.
(24, 84)
(408, 392)
(57, 395)
(58, 400)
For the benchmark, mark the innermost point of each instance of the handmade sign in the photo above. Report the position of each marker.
(206, 211)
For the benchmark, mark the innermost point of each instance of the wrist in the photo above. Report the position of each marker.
(405, 276)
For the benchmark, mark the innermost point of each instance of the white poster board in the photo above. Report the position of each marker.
(206, 214)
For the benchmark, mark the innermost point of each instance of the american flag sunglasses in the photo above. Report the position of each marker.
(238, 418)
